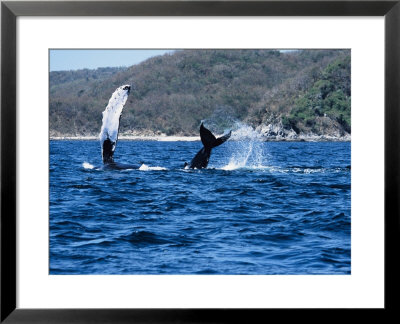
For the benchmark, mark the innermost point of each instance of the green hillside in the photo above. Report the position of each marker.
(300, 90)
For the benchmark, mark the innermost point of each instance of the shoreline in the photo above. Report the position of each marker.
(308, 138)
(130, 138)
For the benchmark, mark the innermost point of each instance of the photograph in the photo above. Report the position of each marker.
(191, 161)
(200, 161)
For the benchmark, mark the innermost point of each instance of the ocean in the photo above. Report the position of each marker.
(260, 208)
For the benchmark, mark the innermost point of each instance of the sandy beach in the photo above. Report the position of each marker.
(307, 138)
(132, 138)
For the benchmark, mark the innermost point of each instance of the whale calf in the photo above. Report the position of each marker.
(110, 128)
(200, 161)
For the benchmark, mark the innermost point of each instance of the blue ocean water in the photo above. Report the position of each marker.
(260, 208)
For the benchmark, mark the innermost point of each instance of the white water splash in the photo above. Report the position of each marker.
(112, 113)
(145, 167)
(247, 151)
(87, 165)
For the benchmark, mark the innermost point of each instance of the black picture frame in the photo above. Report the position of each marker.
(10, 10)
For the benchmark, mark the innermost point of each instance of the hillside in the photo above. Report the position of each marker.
(284, 95)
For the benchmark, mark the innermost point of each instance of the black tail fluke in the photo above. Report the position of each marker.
(209, 140)
(222, 139)
(200, 161)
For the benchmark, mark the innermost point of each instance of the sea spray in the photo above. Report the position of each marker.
(221, 120)
(247, 149)
(87, 165)
(145, 167)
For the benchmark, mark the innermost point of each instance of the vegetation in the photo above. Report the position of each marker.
(328, 97)
(174, 92)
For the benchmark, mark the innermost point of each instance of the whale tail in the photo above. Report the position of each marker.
(209, 140)
(200, 161)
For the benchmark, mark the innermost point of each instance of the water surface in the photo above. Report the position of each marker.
(260, 208)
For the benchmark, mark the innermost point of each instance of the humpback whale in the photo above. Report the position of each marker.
(110, 127)
(200, 161)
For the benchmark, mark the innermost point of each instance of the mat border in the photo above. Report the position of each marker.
(10, 10)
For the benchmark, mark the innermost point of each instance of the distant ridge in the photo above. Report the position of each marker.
(285, 96)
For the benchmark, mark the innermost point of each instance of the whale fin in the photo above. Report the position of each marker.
(222, 139)
(111, 122)
(209, 140)
(108, 151)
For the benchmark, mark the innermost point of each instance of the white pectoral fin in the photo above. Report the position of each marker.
(111, 119)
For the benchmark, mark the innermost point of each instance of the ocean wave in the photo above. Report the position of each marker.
(98, 242)
(143, 238)
(253, 219)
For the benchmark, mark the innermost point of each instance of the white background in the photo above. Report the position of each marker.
(363, 288)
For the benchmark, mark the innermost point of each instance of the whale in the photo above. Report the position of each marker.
(201, 159)
(110, 128)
